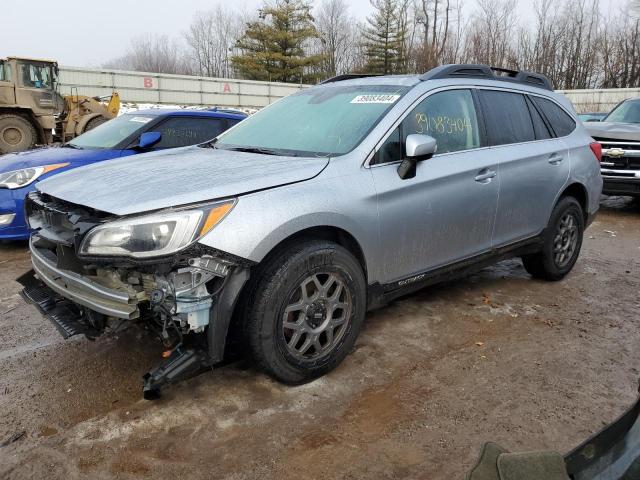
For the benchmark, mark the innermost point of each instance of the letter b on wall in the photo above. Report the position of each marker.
(148, 82)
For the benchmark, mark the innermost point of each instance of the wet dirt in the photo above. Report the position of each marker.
(495, 356)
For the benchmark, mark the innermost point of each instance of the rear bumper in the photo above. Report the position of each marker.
(83, 291)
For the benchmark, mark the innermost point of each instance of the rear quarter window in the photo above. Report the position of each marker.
(539, 125)
(560, 121)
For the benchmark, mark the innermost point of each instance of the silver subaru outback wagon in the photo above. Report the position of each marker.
(283, 231)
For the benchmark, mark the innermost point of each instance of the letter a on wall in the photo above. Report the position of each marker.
(226, 88)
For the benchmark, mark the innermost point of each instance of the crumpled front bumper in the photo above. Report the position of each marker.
(81, 290)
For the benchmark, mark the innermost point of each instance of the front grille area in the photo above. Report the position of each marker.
(59, 228)
(59, 222)
(619, 158)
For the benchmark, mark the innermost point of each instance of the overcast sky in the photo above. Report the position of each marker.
(88, 33)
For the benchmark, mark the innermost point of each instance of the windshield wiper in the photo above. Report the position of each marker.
(263, 151)
(71, 145)
(209, 144)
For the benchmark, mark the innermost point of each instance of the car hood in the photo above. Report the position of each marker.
(176, 177)
(52, 155)
(614, 130)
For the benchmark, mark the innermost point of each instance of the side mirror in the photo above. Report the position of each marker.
(149, 139)
(417, 147)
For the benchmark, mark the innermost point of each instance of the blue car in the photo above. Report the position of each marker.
(128, 134)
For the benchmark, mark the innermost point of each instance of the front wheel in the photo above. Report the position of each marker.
(305, 310)
(562, 242)
(17, 134)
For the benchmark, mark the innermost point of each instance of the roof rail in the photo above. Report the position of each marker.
(348, 76)
(489, 73)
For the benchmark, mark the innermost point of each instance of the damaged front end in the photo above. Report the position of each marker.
(186, 297)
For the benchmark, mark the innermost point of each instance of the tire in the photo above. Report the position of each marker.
(561, 244)
(17, 134)
(304, 309)
(93, 123)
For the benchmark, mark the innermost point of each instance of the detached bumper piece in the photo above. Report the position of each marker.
(183, 363)
(64, 315)
(611, 454)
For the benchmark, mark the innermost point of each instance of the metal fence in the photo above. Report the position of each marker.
(599, 100)
(140, 87)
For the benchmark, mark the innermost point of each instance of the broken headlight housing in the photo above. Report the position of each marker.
(153, 235)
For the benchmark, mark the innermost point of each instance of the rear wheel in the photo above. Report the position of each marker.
(562, 242)
(17, 134)
(305, 310)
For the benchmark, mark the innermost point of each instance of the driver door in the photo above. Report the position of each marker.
(445, 213)
(35, 87)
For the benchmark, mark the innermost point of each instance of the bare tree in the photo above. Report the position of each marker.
(335, 28)
(620, 52)
(491, 33)
(434, 16)
(153, 53)
(570, 41)
(211, 38)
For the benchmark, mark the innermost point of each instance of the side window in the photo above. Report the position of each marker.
(540, 127)
(449, 117)
(184, 131)
(35, 76)
(3, 72)
(391, 149)
(507, 117)
(560, 121)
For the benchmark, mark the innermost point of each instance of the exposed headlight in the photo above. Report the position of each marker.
(22, 178)
(153, 235)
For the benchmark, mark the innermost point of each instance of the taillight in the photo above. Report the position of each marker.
(596, 148)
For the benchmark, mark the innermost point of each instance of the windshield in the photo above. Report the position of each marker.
(111, 133)
(325, 121)
(626, 112)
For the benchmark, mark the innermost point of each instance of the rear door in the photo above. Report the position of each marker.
(534, 165)
(446, 212)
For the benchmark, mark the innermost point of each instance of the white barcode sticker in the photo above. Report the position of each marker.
(376, 99)
(141, 119)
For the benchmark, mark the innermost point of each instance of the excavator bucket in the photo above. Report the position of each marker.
(114, 104)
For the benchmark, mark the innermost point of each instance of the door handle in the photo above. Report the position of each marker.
(485, 176)
(555, 159)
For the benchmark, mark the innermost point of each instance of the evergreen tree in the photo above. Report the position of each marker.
(273, 47)
(385, 36)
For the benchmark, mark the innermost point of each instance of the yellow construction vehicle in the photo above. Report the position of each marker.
(32, 111)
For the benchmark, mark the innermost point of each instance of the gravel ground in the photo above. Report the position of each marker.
(495, 356)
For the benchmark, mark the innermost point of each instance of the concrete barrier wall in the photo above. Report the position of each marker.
(140, 87)
(599, 100)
